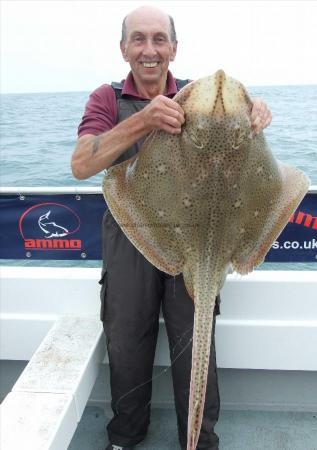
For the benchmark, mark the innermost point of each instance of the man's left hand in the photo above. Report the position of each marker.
(260, 116)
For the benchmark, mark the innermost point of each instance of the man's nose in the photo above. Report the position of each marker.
(149, 48)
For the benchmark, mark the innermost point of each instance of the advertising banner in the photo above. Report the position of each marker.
(298, 240)
(54, 226)
(68, 226)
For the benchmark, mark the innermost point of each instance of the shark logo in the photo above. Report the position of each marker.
(40, 227)
(51, 229)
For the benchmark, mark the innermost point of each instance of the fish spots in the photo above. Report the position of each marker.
(161, 169)
(161, 213)
(237, 204)
(259, 170)
(187, 202)
(202, 175)
(256, 213)
(178, 230)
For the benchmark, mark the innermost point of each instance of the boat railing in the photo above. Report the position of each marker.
(65, 223)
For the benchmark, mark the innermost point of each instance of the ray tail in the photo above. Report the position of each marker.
(202, 334)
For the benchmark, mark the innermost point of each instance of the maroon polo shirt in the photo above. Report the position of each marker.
(101, 109)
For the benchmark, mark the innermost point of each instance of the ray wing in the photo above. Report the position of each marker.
(270, 191)
(143, 195)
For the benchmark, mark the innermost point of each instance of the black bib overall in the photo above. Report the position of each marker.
(132, 295)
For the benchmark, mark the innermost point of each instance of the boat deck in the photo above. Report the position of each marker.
(238, 430)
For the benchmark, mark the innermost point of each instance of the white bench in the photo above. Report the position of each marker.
(46, 403)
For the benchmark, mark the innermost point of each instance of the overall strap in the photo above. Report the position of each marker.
(117, 87)
(181, 83)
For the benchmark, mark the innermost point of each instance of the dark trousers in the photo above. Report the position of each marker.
(133, 292)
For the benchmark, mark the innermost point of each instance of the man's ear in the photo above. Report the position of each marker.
(123, 51)
(174, 51)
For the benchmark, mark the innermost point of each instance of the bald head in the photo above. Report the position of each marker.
(148, 13)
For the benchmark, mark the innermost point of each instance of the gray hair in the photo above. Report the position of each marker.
(172, 30)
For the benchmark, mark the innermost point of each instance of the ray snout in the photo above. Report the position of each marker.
(229, 96)
(219, 109)
(220, 75)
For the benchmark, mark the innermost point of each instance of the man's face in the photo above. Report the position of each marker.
(148, 46)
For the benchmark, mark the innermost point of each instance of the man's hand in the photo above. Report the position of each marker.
(163, 114)
(260, 116)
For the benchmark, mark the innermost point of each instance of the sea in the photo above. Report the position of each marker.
(39, 131)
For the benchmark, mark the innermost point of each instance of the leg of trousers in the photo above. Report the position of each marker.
(132, 293)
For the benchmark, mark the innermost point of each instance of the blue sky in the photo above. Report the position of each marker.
(49, 46)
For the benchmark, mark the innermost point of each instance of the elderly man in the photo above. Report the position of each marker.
(117, 119)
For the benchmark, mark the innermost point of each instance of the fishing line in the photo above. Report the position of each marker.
(160, 373)
(179, 341)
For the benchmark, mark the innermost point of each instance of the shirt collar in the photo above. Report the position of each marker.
(130, 89)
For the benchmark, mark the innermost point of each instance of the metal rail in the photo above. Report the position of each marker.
(54, 190)
(73, 190)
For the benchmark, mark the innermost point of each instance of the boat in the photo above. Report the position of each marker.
(52, 347)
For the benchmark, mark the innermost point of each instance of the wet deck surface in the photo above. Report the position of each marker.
(238, 430)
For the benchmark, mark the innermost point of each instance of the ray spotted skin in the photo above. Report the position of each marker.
(200, 201)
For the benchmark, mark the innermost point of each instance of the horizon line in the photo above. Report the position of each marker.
(84, 90)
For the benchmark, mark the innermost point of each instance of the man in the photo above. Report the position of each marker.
(116, 121)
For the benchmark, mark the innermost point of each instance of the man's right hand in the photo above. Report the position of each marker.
(95, 153)
(163, 113)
